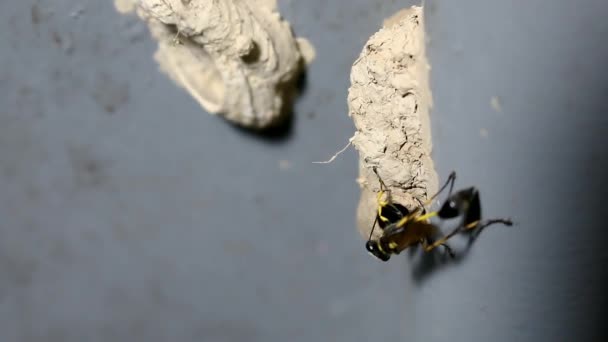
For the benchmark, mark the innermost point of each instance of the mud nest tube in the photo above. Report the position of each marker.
(238, 59)
(389, 101)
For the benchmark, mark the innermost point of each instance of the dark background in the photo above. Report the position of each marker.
(127, 213)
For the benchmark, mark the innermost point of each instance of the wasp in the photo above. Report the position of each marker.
(402, 228)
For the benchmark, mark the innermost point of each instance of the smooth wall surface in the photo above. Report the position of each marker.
(127, 213)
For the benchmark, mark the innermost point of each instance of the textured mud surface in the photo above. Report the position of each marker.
(389, 101)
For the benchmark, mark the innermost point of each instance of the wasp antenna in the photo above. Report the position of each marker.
(372, 231)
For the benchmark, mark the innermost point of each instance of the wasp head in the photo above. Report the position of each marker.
(373, 247)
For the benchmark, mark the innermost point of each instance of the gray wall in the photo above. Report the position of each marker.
(128, 214)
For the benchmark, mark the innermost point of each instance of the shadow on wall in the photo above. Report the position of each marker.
(429, 263)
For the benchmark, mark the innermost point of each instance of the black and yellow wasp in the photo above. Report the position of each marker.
(402, 229)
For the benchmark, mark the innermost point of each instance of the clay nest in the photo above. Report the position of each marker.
(238, 59)
(389, 101)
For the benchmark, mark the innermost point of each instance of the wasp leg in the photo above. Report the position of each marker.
(461, 228)
(382, 185)
(472, 216)
(506, 222)
(425, 216)
(430, 246)
(394, 212)
(483, 224)
(384, 200)
(381, 203)
(429, 240)
(441, 242)
(451, 179)
(383, 190)
(421, 205)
